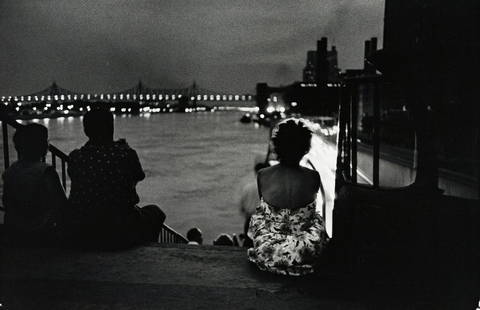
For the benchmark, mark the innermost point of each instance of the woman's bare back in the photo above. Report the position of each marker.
(287, 187)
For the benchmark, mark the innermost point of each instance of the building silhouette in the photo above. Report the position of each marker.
(322, 64)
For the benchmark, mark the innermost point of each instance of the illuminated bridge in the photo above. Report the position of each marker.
(139, 93)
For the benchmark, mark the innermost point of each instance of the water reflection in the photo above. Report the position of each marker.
(195, 163)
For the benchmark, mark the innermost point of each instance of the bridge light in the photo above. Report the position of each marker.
(29, 98)
(212, 97)
(218, 97)
(21, 98)
(81, 96)
(112, 109)
(224, 97)
(192, 98)
(75, 97)
(121, 96)
(108, 96)
(160, 97)
(243, 97)
(62, 97)
(141, 96)
(101, 96)
(114, 97)
(199, 97)
(205, 97)
(237, 97)
(230, 97)
(69, 97)
(88, 96)
(173, 97)
(147, 97)
(134, 97)
(166, 97)
(180, 95)
(154, 97)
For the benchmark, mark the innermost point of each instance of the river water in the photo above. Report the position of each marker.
(196, 163)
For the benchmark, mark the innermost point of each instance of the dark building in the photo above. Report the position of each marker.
(322, 65)
(430, 61)
(425, 76)
(309, 72)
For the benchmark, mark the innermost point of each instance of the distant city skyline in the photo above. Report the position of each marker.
(102, 46)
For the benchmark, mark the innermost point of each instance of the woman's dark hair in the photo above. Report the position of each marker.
(291, 140)
(98, 124)
(31, 141)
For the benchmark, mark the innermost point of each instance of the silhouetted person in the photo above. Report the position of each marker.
(224, 239)
(194, 236)
(249, 201)
(33, 196)
(288, 234)
(103, 197)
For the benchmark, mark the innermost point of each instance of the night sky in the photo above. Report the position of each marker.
(107, 45)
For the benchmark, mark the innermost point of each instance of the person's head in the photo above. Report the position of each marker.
(223, 239)
(291, 140)
(260, 166)
(195, 234)
(31, 142)
(98, 125)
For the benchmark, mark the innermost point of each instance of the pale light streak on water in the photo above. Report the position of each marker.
(195, 163)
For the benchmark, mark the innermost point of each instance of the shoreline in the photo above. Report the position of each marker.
(55, 115)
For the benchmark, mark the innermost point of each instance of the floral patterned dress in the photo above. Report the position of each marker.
(286, 241)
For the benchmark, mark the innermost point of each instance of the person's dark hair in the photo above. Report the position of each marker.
(291, 140)
(195, 234)
(98, 124)
(223, 239)
(31, 141)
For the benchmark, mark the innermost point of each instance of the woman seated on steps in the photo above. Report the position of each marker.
(288, 234)
(33, 196)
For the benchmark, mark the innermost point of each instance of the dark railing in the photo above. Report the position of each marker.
(347, 142)
(167, 234)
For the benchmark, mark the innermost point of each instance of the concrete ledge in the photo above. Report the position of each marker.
(179, 277)
(149, 277)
